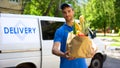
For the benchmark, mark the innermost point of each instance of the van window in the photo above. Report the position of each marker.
(49, 28)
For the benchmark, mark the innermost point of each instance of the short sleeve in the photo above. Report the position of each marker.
(58, 36)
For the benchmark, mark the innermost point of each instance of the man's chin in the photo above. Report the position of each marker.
(68, 19)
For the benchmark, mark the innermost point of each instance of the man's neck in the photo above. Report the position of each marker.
(70, 23)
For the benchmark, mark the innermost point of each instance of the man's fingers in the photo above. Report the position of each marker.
(71, 58)
(67, 56)
(67, 52)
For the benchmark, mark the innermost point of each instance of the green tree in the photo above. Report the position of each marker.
(117, 15)
(49, 7)
(100, 13)
(39, 7)
(43, 8)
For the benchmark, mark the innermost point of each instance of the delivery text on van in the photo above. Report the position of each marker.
(19, 30)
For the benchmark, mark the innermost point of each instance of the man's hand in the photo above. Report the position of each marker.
(56, 51)
(66, 55)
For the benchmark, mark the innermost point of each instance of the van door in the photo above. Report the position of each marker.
(19, 41)
(48, 30)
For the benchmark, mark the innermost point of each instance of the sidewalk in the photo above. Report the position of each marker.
(107, 34)
(109, 41)
(113, 48)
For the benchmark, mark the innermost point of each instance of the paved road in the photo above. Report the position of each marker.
(113, 56)
(112, 63)
(113, 59)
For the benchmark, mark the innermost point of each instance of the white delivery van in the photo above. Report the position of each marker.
(26, 42)
(20, 41)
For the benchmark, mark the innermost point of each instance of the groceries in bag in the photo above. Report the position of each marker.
(78, 44)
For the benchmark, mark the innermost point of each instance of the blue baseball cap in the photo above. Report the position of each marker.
(64, 5)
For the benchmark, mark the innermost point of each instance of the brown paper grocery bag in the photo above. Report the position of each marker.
(80, 46)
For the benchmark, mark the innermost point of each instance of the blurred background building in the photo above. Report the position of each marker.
(11, 6)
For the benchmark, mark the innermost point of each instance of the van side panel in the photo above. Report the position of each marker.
(48, 28)
(19, 40)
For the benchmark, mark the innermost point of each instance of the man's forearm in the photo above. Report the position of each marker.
(58, 53)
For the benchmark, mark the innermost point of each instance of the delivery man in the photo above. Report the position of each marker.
(60, 38)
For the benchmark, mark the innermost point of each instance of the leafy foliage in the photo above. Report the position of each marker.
(117, 13)
(49, 7)
(101, 14)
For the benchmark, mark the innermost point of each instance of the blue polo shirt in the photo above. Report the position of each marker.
(61, 36)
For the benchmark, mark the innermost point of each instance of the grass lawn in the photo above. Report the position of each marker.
(115, 40)
(116, 44)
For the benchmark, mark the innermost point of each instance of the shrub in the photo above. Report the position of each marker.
(119, 32)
